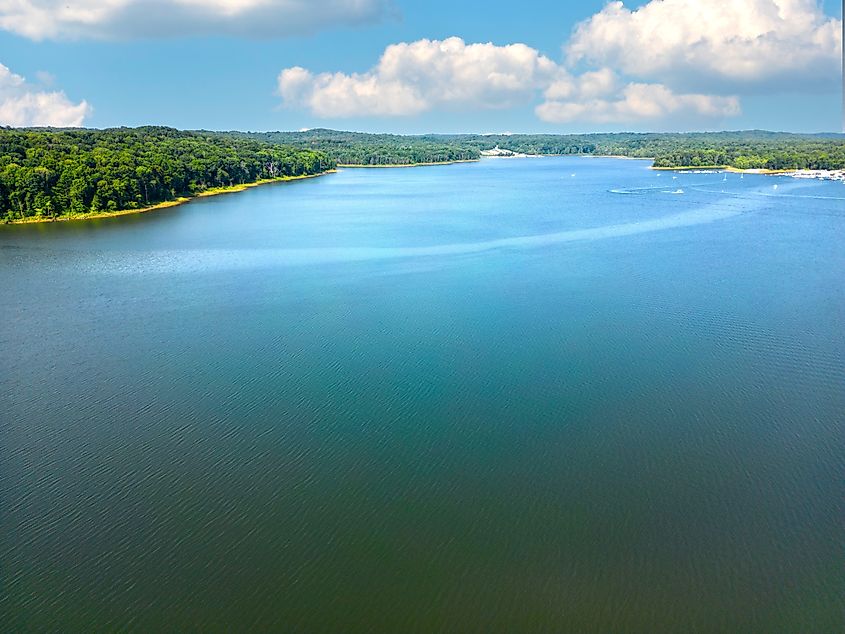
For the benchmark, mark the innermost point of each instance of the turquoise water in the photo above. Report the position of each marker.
(519, 395)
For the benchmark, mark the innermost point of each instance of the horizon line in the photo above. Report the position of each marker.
(429, 133)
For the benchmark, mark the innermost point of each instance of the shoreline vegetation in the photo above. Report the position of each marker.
(753, 149)
(215, 191)
(395, 165)
(830, 175)
(722, 168)
(621, 156)
(50, 174)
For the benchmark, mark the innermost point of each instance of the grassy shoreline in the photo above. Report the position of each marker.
(214, 191)
(726, 168)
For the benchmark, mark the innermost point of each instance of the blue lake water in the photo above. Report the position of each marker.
(517, 395)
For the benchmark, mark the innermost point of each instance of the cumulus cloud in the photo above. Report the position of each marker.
(668, 60)
(411, 78)
(587, 86)
(415, 77)
(109, 19)
(634, 102)
(735, 45)
(22, 104)
(601, 97)
(340, 95)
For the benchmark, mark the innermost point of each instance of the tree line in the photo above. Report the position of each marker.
(362, 149)
(54, 172)
(744, 150)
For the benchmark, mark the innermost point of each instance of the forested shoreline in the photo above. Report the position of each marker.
(60, 173)
(742, 150)
(363, 149)
(46, 173)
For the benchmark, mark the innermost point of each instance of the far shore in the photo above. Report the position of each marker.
(616, 156)
(582, 155)
(362, 166)
(214, 191)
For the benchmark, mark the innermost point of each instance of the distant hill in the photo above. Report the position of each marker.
(358, 148)
(740, 149)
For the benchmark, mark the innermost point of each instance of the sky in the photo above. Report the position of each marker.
(408, 66)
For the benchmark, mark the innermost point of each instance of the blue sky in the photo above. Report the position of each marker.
(268, 65)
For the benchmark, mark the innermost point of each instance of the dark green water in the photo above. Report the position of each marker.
(517, 396)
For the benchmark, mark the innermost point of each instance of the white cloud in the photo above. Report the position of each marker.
(427, 74)
(339, 95)
(411, 78)
(111, 19)
(634, 102)
(733, 45)
(22, 104)
(584, 87)
(667, 61)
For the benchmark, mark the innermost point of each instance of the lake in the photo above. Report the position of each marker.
(520, 395)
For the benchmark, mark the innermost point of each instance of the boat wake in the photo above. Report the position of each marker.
(214, 259)
(741, 194)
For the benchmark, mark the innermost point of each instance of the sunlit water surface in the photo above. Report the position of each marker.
(520, 395)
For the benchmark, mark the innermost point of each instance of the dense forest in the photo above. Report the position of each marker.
(744, 150)
(754, 151)
(361, 149)
(49, 173)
